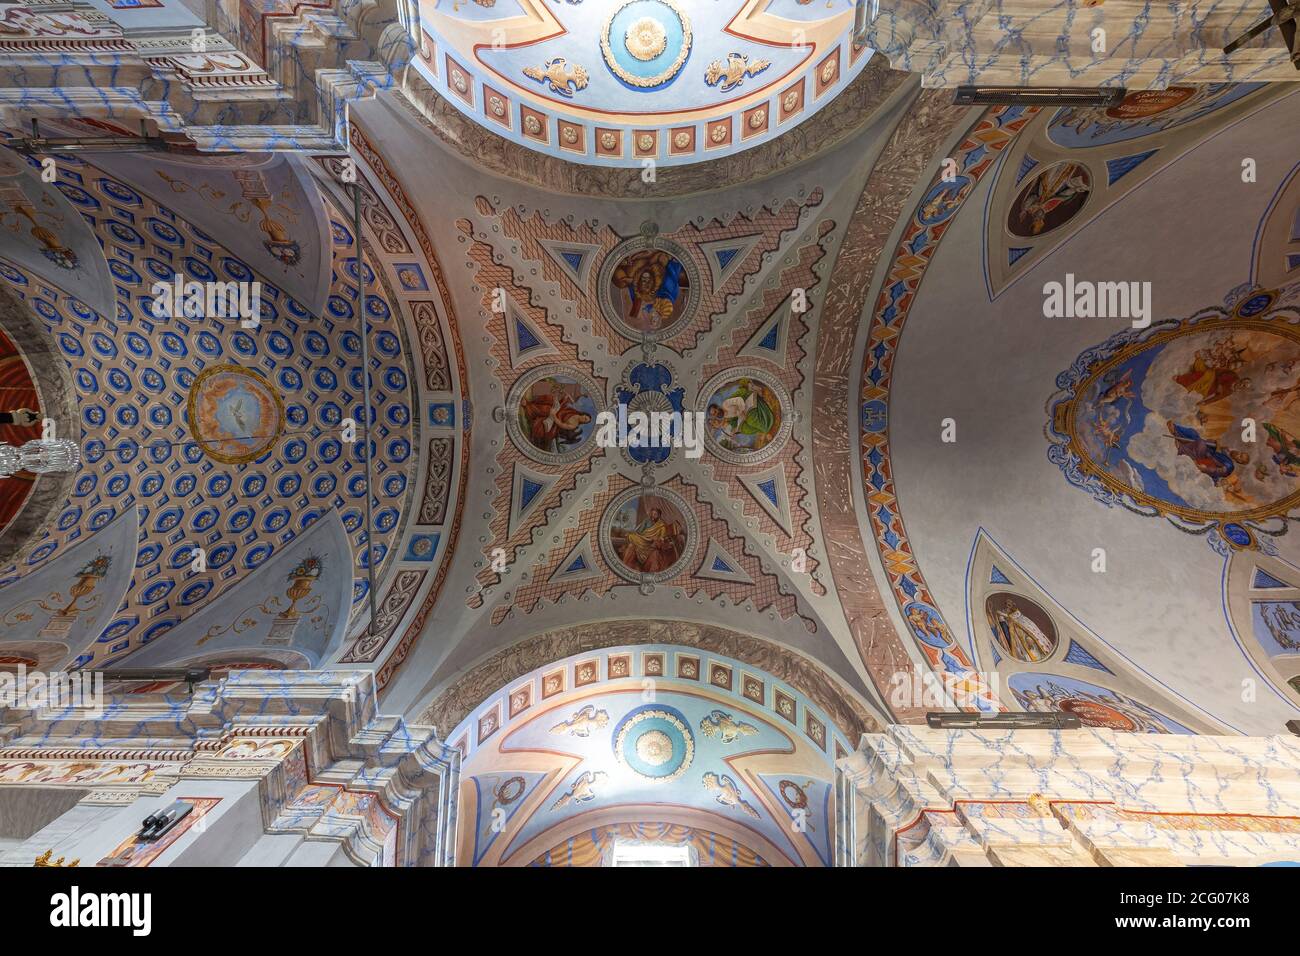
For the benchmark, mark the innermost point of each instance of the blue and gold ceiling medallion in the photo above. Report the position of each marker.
(655, 743)
(646, 42)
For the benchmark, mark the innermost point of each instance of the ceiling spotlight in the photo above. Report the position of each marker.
(1284, 18)
(964, 721)
(1037, 96)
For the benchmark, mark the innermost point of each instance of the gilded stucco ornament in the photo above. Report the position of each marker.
(655, 742)
(644, 32)
(559, 75)
(646, 39)
(730, 74)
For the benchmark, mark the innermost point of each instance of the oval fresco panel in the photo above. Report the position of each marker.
(1095, 706)
(1142, 112)
(1160, 420)
(1020, 627)
(1049, 200)
(235, 414)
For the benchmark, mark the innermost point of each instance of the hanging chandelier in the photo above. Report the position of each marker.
(39, 456)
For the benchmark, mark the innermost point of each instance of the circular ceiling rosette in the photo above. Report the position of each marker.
(655, 743)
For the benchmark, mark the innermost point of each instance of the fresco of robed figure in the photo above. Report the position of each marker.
(744, 415)
(556, 414)
(648, 534)
(1021, 628)
(649, 289)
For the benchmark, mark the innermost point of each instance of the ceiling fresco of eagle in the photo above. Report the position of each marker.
(911, 458)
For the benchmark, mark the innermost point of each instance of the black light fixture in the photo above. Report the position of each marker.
(157, 824)
(1284, 16)
(159, 675)
(36, 144)
(941, 720)
(1038, 96)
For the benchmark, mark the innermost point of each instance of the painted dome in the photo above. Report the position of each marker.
(618, 82)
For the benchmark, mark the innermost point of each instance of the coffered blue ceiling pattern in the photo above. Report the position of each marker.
(263, 208)
(141, 394)
(616, 82)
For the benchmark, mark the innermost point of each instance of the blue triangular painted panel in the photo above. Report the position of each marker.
(524, 335)
(528, 490)
(1116, 169)
(1077, 655)
(1265, 580)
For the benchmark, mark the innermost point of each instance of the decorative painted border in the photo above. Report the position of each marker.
(367, 151)
(689, 166)
(831, 64)
(548, 653)
(975, 155)
(788, 698)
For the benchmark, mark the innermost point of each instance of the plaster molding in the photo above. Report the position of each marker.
(450, 707)
(850, 112)
(919, 135)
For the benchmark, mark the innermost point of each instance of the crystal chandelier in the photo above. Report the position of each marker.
(39, 456)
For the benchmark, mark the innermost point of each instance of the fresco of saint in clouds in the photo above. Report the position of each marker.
(1162, 420)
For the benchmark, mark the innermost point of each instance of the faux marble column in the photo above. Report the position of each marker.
(1055, 42)
(914, 796)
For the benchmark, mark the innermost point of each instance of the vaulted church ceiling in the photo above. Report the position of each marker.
(1130, 433)
(890, 452)
(231, 442)
(656, 733)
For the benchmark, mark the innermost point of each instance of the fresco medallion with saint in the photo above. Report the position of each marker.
(1021, 628)
(747, 416)
(649, 288)
(551, 413)
(648, 535)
